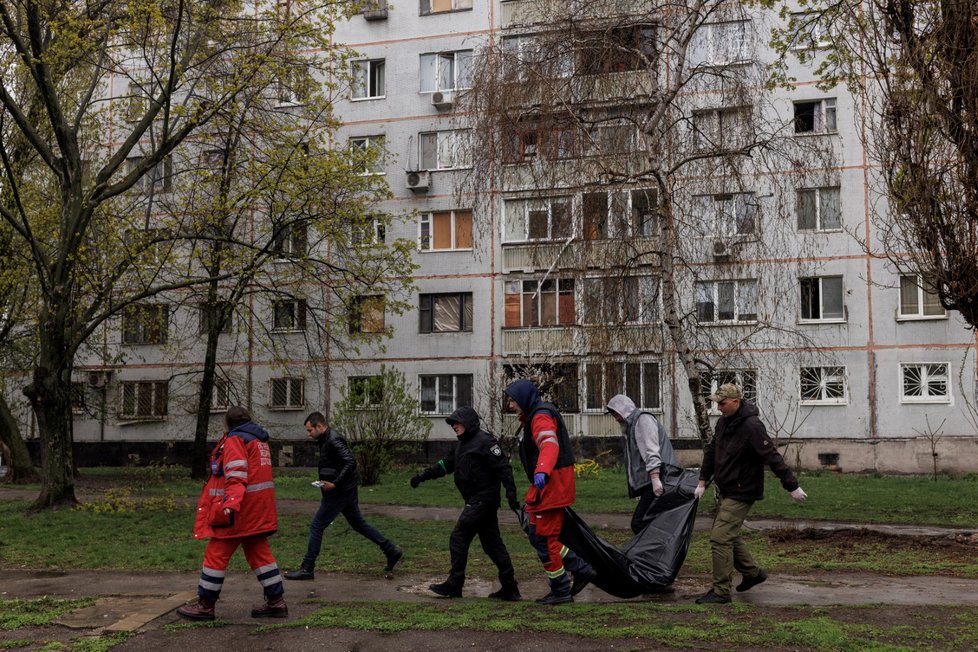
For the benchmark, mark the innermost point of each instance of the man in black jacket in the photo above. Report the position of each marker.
(734, 458)
(480, 467)
(339, 478)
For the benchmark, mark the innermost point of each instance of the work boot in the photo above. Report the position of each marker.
(748, 583)
(273, 608)
(712, 598)
(555, 598)
(200, 610)
(510, 592)
(305, 572)
(582, 579)
(393, 557)
(446, 590)
(560, 591)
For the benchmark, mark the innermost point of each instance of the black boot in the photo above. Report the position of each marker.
(447, 590)
(393, 557)
(305, 572)
(560, 591)
(510, 592)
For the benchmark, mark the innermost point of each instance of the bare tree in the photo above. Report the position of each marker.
(911, 65)
(642, 166)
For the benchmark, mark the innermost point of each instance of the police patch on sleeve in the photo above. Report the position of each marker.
(496, 450)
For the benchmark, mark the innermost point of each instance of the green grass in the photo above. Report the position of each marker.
(832, 496)
(16, 614)
(738, 626)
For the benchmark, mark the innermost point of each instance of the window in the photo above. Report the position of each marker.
(371, 232)
(445, 313)
(210, 313)
(159, 178)
(819, 209)
(824, 385)
(822, 299)
(726, 215)
(440, 6)
(726, 301)
(721, 44)
(810, 31)
(610, 139)
(918, 299)
(365, 391)
(287, 394)
(368, 79)
(145, 323)
(368, 152)
(291, 241)
(644, 222)
(557, 382)
(445, 394)
(444, 150)
(136, 102)
(710, 382)
(531, 304)
(220, 395)
(619, 49)
(547, 219)
(721, 129)
(553, 141)
(367, 314)
(289, 315)
(925, 383)
(143, 400)
(446, 71)
(445, 230)
(815, 116)
(637, 380)
(621, 299)
(528, 58)
(77, 397)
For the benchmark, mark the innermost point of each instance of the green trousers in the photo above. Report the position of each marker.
(729, 551)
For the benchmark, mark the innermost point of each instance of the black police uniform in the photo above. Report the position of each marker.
(480, 466)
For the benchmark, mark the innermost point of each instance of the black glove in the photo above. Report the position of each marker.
(514, 504)
(416, 480)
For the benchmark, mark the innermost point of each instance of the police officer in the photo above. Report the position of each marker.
(480, 467)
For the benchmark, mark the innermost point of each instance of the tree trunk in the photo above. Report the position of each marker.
(201, 452)
(673, 319)
(20, 469)
(50, 397)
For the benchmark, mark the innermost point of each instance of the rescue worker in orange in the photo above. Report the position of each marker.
(548, 460)
(237, 508)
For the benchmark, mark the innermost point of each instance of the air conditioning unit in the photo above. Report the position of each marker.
(442, 99)
(375, 10)
(99, 379)
(722, 249)
(418, 180)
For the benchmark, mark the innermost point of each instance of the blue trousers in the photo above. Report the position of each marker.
(331, 506)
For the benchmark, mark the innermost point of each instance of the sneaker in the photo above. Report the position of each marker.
(200, 610)
(304, 573)
(582, 579)
(712, 598)
(555, 598)
(510, 593)
(446, 590)
(392, 558)
(273, 608)
(748, 583)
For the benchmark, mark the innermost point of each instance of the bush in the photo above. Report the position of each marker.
(379, 418)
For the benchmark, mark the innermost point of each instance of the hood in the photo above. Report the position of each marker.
(746, 409)
(621, 405)
(465, 415)
(252, 429)
(525, 393)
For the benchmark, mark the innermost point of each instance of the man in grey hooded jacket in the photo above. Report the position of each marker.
(649, 458)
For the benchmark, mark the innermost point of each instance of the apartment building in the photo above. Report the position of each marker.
(546, 255)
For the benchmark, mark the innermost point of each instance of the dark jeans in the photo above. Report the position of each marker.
(331, 506)
(478, 519)
(643, 514)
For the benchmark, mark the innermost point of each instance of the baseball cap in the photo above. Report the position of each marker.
(727, 391)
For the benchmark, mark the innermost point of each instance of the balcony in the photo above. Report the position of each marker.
(558, 340)
(518, 13)
(580, 254)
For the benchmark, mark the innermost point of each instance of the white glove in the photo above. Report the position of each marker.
(700, 490)
(657, 487)
(799, 495)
